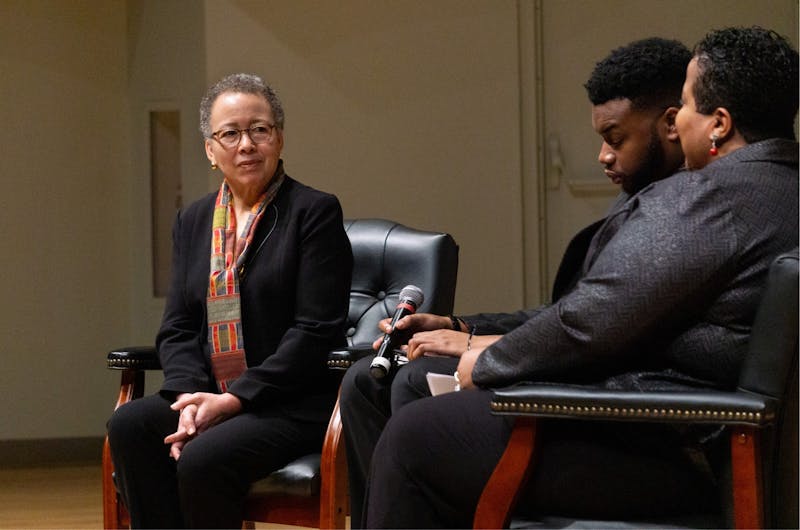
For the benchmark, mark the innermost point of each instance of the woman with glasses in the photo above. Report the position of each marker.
(259, 294)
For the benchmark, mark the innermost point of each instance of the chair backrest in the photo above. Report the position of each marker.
(387, 256)
(773, 342)
(770, 369)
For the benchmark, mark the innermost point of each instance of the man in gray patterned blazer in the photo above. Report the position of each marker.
(666, 299)
(635, 93)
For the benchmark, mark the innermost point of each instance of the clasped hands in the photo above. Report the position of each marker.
(199, 412)
(433, 335)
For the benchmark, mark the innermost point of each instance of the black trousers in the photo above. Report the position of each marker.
(366, 403)
(207, 486)
(436, 455)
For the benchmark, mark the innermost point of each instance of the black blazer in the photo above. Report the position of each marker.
(295, 288)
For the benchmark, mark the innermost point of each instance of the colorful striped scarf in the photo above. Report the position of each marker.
(228, 254)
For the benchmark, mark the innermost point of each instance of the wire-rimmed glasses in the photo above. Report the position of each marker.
(259, 134)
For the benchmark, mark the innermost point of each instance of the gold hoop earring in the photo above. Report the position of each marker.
(213, 166)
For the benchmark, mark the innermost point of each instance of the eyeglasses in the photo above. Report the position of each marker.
(259, 134)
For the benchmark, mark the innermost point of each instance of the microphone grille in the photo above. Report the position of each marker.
(413, 294)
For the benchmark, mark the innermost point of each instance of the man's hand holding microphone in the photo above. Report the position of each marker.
(432, 335)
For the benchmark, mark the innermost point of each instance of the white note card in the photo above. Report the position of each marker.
(440, 383)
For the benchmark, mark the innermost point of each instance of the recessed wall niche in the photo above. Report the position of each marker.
(165, 188)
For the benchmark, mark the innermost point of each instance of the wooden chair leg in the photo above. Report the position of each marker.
(110, 508)
(333, 469)
(509, 477)
(131, 387)
(748, 499)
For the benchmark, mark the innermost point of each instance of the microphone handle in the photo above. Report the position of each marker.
(389, 339)
(382, 362)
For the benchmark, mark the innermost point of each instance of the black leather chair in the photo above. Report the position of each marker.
(312, 490)
(761, 418)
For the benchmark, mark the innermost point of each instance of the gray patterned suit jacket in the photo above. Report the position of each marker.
(670, 284)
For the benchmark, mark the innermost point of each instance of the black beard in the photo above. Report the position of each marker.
(652, 168)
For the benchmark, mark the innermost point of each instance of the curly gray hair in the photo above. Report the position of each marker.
(241, 83)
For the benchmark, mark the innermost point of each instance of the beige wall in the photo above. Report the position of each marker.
(405, 110)
(381, 104)
(65, 213)
(166, 71)
(568, 28)
(413, 110)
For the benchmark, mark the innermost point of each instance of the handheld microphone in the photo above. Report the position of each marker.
(411, 298)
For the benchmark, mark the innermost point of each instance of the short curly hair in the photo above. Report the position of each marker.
(752, 72)
(648, 72)
(244, 84)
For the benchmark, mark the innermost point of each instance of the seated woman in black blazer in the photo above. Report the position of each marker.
(258, 296)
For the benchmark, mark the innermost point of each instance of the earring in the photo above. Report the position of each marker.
(214, 166)
(713, 151)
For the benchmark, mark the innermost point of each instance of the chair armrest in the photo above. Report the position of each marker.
(146, 357)
(343, 358)
(133, 358)
(703, 406)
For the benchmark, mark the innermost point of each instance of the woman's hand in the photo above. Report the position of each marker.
(446, 342)
(465, 366)
(199, 412)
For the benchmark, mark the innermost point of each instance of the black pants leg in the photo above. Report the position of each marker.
(437, 454)
(367, 403)
(206, 488)
(432, 467)
(144, 472)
